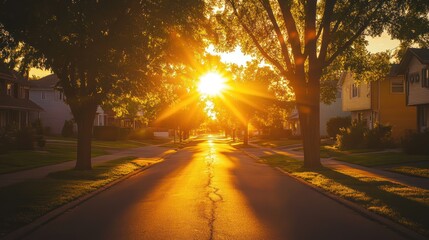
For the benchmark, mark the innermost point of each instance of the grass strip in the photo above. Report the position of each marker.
(406, 205)
(381, 158)
(276, 143)
(414, 171)
(60, 150)
(24, 202)
(53, 153)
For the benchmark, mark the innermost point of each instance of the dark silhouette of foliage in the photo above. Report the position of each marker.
(100, 49)
(334, 125)
(308, 42)
(416, 143)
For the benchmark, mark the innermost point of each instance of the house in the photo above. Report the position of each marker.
(15, 106)
(415, 67)
(45, 93)
(327, 111)
(379, 102)
(50, 96)
(357, 99)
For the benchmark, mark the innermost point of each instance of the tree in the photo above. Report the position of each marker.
(98, 48)
(305, 40)
(249, 93)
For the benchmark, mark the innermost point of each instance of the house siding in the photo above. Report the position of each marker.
(328, 111)
(417, 94)
(56, 110)
(393, 111)
(361, 102)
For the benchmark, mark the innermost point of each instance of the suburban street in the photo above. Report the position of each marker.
(209, 190)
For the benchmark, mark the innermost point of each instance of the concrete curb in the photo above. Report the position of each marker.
(33, 226)
(396, 227)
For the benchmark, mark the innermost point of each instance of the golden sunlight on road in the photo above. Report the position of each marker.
(211, 84)
(201, 198)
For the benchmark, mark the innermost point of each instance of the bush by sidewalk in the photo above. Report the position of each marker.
(358, 136)
(416, 143)
(334, 125)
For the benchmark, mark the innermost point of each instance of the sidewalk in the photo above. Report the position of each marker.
(152, 151)
(423, 183)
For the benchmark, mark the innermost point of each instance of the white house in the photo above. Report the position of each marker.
(327, 111)
(357, 99)
(50, 97)
(46, 94)
(415, 66)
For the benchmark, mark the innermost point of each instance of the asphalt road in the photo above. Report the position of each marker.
(211, 191)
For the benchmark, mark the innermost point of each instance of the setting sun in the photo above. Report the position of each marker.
(211, 84)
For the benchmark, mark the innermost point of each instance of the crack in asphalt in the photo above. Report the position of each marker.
(212, 191)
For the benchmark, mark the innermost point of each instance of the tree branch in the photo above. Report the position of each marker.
(257, 44)
(310, 31)
(357, 34)
(293, 35)
(285, 52)
(326, 26)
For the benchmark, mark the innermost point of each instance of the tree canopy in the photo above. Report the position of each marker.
(304, 40)
(98, 47)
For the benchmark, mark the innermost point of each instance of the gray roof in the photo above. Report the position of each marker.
(8, 102)
(422, 54)
(393, 70)
(11, 75)
(49, 81)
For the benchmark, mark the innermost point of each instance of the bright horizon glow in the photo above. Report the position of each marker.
(211, 84)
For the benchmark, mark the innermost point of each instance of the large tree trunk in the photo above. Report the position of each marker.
(308, 104)
(85, 122)
(246, 133)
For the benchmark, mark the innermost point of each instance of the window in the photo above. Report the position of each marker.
(422, 112)
(355, 90)
(397, 86)
(59, 95)
(43, 96)
(414, 77)
(9, 89)
(425, 77)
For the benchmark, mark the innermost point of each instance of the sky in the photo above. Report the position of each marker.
(377, 44)
(382, 43)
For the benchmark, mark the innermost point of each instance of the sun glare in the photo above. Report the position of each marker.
(211, 84)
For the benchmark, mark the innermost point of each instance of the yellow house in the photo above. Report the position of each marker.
(380, 102)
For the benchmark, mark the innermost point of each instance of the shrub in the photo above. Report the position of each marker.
(38, 127)
(334, 125)
(67, 130)
(379, 137)
(7, 138)
(24, 139)
(359, 136)
(110, 133)
(416, 143)
(352, 137)
(142, 134)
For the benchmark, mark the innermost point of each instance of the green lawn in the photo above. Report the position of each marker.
(276, 143)
(420, 170)
(59, 150)
(406, 205)
(53, 153)
(384, 158)
(22, 203)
